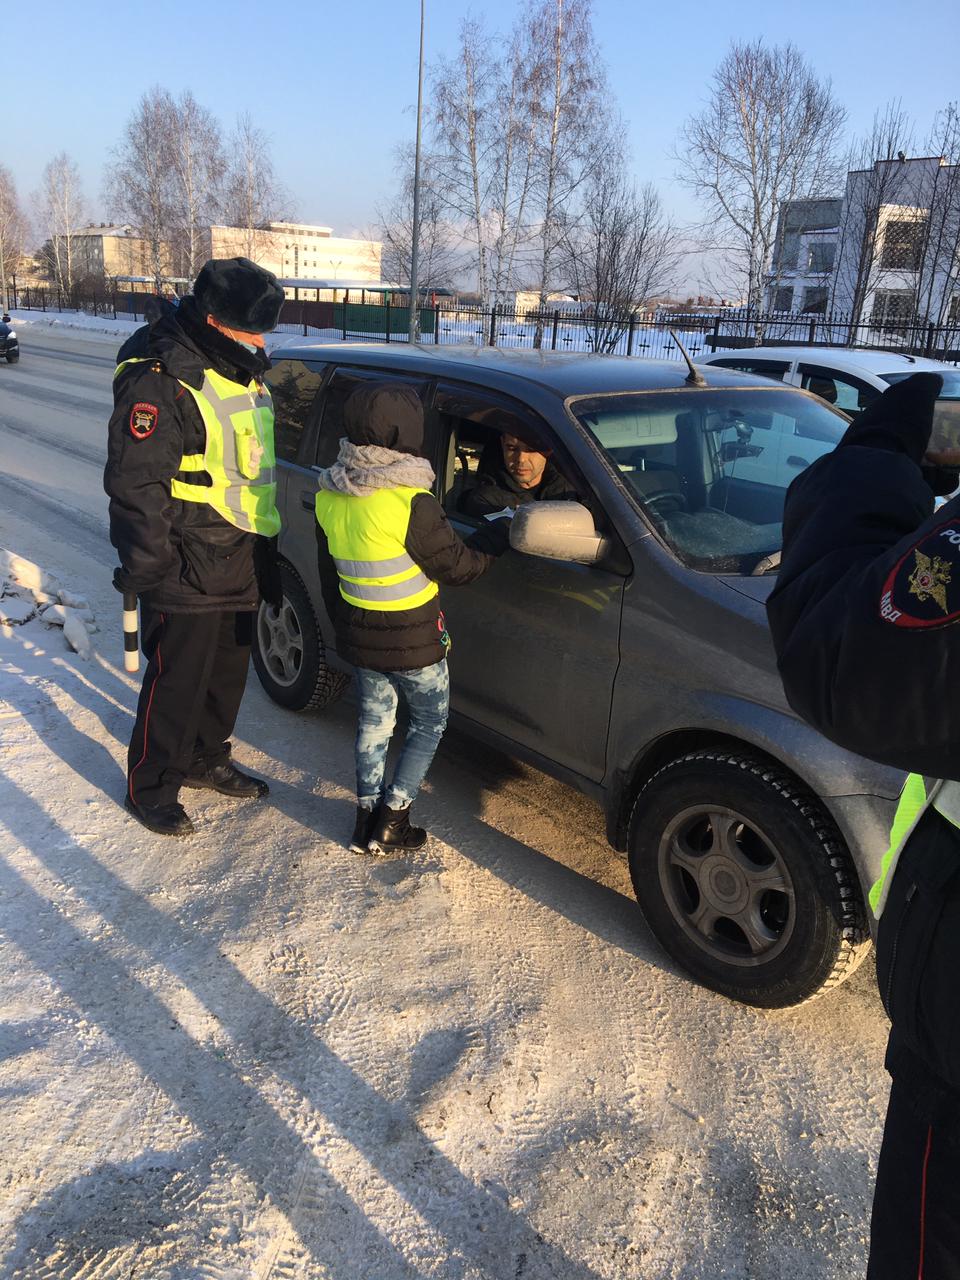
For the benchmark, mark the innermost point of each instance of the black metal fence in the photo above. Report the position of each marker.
(550, 329)
(910, 335)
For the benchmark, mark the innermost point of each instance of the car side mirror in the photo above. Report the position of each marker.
(557, 531)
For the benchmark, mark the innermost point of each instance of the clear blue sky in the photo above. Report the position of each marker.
(334, 84)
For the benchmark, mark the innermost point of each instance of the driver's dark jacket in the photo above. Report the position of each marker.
(179, 557)
(865, 619)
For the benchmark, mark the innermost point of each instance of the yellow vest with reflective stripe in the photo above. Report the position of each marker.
(366, 537)
(238, 456)
(918, 795)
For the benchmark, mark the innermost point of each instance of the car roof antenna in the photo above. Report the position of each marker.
(694, 378)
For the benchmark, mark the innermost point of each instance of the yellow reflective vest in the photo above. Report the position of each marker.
(238, 457)
(366, 537)
(918, 795)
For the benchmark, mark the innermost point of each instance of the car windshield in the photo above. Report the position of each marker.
(710, 467)
(951, 380)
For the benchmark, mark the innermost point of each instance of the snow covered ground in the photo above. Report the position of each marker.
(255, 1055)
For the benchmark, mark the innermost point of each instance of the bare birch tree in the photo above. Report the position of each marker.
(769, 133)
(514, 170)
(484, 138)
(565, 101)
(439, 254)
(253, 195)
(138, 187)
(197, 168)
(464, 126)
(13, 230)
(621, 251)
(939, 269)
(61, 209)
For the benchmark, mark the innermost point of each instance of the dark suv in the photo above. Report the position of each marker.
(621, 644)
(9, 346)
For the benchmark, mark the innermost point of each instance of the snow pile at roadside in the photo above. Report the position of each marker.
(122, 326)
(31, 598)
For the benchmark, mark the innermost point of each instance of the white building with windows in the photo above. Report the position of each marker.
(888, 249)
(300, 251)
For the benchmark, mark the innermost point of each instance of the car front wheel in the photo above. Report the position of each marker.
(288, 651)
(744, 879)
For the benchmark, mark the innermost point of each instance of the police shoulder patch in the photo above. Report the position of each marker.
(922, 590)
(143, 419)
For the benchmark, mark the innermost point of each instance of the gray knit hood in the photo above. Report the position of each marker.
(362, 469)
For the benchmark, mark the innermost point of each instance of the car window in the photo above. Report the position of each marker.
(951, 380)
(744, 364)
(843, 390)
(710, 467)
(474, 426)
(294, 385)
(341, 384)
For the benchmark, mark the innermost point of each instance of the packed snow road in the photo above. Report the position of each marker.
(256, 1055)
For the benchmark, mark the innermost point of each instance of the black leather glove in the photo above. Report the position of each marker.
(900, 420)
(493, 537)
(266, 565)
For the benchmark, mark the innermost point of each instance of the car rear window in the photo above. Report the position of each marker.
(710, 466)
(951, 380)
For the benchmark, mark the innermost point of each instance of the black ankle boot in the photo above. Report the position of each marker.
(394, 832)
(363, 828)
(164, 819)
(228, 780)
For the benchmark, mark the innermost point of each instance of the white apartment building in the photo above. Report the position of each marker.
(300, 251)
(888, 249)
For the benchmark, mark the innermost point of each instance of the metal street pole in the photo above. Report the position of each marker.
(414, 331)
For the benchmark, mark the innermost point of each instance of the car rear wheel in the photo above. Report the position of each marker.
(745, 881)
(288, 651)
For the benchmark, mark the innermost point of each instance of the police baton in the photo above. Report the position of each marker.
(131, 640)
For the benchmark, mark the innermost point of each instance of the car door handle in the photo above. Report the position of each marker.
(794, 461)
(308, 499)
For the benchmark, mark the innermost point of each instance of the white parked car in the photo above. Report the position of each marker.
(846, 377)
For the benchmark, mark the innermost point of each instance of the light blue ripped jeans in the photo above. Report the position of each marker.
(427, 694)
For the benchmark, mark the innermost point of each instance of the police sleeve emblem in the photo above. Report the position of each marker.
(922, 588)
(143, 420)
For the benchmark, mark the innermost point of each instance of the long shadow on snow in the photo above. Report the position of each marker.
(215, 1094)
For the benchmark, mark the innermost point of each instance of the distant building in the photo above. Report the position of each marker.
(290, 250)
(106, 251)
(885, 250)
(294, 250)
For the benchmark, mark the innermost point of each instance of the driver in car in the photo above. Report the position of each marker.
(521, 472)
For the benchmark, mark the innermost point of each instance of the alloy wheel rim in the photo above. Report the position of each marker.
(727, 885)
(280, 641)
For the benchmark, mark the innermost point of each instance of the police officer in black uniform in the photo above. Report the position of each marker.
(864, 619)
(190, 476)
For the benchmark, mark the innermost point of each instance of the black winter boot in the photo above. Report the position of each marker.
(363, 828)
(164, 819)
(228, 780)
(394, 833)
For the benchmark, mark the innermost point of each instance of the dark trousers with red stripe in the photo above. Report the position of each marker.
(196, 673)
(915, 1232)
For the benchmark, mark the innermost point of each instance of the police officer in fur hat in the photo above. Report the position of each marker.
(191, 480)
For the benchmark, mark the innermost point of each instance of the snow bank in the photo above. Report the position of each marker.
(122, 327)
(30, 596)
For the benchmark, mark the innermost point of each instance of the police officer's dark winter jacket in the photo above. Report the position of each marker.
(179, 556)
(385, 430)
(864, 619)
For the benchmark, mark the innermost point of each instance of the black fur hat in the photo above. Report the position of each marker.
(239, 294)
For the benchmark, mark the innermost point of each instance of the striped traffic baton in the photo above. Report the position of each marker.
(131, 638)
